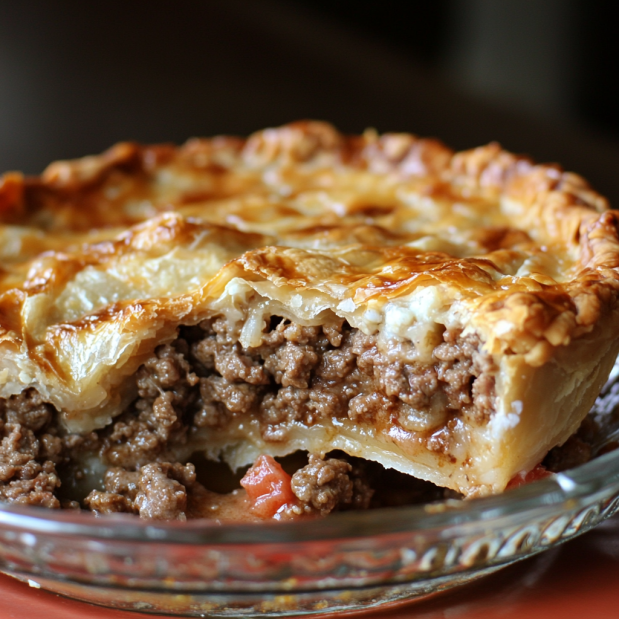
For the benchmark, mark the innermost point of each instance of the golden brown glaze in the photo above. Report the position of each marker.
(103, 257)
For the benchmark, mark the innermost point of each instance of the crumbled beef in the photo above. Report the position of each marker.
(291, 365)
(219, 351)
(371, 406)
(166, 388)
(279, 410)
(422, 385)
(27, 472)
(158, 491)
(239, 398)
(162, 490)
(467, 375)
(104, 503)
(121, 488)
(120, 481)
(28, 409)
(325, 485)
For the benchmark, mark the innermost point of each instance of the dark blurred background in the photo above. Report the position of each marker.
(540, 76)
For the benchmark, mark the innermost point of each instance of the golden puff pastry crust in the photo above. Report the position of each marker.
(442, 259)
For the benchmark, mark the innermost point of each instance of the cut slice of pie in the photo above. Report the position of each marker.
(451, 316)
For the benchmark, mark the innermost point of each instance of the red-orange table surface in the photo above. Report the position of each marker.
(577, 580)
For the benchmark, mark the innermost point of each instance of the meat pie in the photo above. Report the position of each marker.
(451, 316)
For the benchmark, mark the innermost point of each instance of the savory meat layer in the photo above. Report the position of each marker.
(298, 375)
(205, 378)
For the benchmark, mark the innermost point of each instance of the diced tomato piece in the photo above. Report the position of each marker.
(268, 487)
(522, 478)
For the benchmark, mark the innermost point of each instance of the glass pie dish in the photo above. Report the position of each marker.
(347, 561)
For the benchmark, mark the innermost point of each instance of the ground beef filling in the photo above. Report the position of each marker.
(325, 485)
(157, 491)
(302, 374)
(205, 379)
(32, 448)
